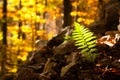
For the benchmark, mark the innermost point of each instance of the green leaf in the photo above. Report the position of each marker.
(92, 46)
(91, 42)
(90, 38)
(88, 35)
(79, 41)
(77, 38)
(93, 50)
(79, 44)
(82, 47)
(85, 30)
(84, 50)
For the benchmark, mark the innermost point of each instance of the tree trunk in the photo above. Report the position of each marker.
(4, 40)
(67, 10)
(20, 22)
(4, 23)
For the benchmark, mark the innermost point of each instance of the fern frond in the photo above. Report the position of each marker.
(85, 41)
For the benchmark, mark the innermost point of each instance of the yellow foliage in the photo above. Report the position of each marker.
(80, 19)
(24, 9)
(75, 3)
(13, 70)
(1, 3)
(73, 13)
(15, 18)
(50, 35)
(1, 36)
(86, 11)
(85, 21)
(22, 57)
(88, 21)
(41, 32)
(26, 28)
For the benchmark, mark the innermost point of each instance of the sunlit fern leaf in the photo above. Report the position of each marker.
(81, 47)
(92, 42)
(85, 50)
(85, 41)
(80, 41)
(91, 38)
(92, 46)
(93, 50)
(87, 35)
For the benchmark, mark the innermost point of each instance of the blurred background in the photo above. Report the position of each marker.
(24, 23)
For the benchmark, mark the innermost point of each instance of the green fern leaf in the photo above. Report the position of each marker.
(79, 41)
(79, 44)
(91, 42)
(85, 50)
(85, 41)
(87, 35)
(93, 50)
(91, 38)
(81, 47)
(78, 38)
(85, 30)
(92, 46)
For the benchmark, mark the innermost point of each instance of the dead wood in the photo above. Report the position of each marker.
(65, 47)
